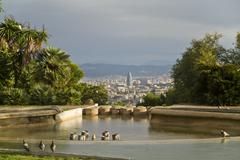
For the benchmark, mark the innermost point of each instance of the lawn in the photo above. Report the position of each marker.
(6, 156)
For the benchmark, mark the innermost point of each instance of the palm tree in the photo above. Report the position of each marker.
(51, 63)
(5, 68)
(17, 37)
(10, 33)
(22, 42)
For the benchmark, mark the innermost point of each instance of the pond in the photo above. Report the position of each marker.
(130, 128)
(139, 140)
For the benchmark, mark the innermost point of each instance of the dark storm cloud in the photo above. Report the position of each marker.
(128, 31)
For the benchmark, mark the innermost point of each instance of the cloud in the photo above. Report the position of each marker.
(128, 31)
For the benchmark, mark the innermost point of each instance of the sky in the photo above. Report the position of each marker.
(133, 32)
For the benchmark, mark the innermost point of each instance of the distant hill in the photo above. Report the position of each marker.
(101, 70)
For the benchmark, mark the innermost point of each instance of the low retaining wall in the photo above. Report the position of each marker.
(140, 111)
(92, 111)
(206, 120)
(70, 114)
(117, 110)
(104, 110)
(127, 111)
(13, 116)
(195, 114)
(227, 113)
(16, 115)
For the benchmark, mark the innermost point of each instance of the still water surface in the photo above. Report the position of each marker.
(139, 140)
(130, 128)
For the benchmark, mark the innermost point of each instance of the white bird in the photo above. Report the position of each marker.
(224, 133)
(26, 146)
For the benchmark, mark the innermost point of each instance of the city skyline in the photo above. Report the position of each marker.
(127, 32)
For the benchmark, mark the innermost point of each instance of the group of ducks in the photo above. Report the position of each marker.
(41, 146)
(73, 136)
(84, 135)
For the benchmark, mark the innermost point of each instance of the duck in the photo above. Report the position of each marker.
(85, 133)
(116, 137)
(81, 137)
(105, 138)
(219, 107)
(224, 133)
(73, 136)
(94, 137)
(42, 145)
(53, 146)
(106, 133)
(26, 146)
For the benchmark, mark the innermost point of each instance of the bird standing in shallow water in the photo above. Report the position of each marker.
(26, 146)
(116, 137)
(42, 145)
(53, 147)
(73, 136)
(224, 133)
(106, 133)
(94, 137)
(85, 133)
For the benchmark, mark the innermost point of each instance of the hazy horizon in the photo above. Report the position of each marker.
(134, 32)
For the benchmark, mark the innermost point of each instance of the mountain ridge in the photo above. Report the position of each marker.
(102, 69)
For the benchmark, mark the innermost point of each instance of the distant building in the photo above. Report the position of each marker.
(129, 79)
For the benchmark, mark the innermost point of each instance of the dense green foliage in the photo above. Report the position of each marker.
(98, 94)
(152, 99)
(33, 75)
(207, 73)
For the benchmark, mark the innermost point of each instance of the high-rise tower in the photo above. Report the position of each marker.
(129, 79)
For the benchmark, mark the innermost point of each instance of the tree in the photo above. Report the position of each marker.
(186, 72)
(207, 73)
(223, 85)
(152, 99)
(5, 69)
(238, 40)
(21, 42)
(50, 65)
(31, 74)
(13, 96)
(232, 55)
(98, 94)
